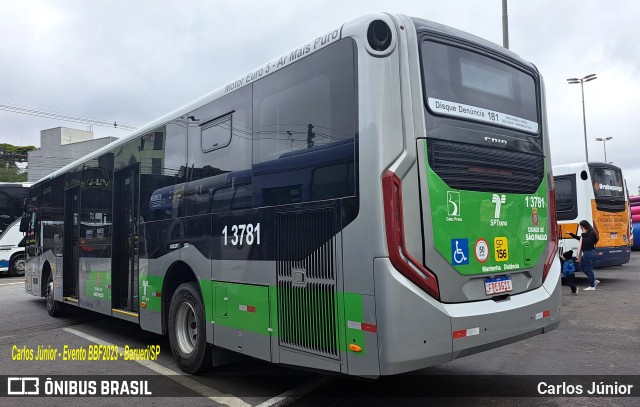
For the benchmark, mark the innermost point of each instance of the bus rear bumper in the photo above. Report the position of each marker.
(416, 331)
(612, 256)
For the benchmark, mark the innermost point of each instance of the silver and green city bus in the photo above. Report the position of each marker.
(377, 200)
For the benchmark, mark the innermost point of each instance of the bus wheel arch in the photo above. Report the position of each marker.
(178, 274)
(46, 273)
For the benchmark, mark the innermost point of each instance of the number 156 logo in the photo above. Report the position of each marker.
(501, 247)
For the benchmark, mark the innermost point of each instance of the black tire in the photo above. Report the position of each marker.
(17, 265)
(54, 308)
(187, 330)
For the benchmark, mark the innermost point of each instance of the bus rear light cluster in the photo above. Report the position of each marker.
(553, 231)
(400, 258)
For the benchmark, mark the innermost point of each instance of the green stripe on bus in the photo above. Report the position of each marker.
(480, 232)
(254, 308)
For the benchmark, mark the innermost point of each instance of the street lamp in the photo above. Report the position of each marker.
(581, 81)
(604, 144)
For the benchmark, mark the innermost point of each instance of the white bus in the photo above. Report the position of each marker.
(12, 195)
(375, 201)
(12, 255)
(597, 193)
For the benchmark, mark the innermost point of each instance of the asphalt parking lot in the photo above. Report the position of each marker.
(598, 336)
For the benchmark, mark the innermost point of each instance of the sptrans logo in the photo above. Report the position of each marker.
(498, 200)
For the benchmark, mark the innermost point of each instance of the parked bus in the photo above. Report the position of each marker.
(12, 195)
(595, 192)
(376, 201)
(12, 256)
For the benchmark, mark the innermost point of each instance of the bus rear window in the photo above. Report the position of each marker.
(607, 182)
(468, 85)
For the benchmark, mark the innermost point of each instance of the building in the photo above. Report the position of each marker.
(61, 146)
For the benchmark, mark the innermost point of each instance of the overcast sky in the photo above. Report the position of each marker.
(134, 61)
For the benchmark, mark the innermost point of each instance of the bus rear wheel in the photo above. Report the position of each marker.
(17, 265)
(187, 333)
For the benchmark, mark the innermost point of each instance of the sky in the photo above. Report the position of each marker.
(134, 61)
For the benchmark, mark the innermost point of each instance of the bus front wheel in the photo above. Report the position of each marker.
(17, 265)
(54, 308)
(187, 333)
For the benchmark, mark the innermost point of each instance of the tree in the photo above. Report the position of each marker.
(9, 154)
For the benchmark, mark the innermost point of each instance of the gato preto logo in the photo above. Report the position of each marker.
(453, 203)
(23, 386)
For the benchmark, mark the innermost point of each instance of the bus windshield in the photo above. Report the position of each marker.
(468, 85)
(12, 196)
(607, 182)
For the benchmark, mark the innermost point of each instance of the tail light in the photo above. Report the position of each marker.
(553, 230)
(406, 264)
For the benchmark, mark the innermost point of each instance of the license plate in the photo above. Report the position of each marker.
(497, 285)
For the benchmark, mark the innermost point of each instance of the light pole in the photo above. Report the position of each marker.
(505, 25)
(581, 81)
(604, 144)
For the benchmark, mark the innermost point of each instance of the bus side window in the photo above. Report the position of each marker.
(222, 198)
(242, 197)
(566, 199)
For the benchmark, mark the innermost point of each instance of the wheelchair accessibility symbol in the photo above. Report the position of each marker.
(459, 251)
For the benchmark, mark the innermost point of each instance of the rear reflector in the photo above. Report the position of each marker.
(463, 333)
(246, 308)
(361, 326)
(543, 314)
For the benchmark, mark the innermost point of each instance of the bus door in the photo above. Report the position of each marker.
(125, 234)
(71, 242)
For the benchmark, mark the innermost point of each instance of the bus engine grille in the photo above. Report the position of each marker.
(306, 278)
(486, 169)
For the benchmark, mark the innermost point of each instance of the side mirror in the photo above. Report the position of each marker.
(24, 223)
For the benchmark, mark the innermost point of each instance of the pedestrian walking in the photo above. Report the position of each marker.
(587, 252)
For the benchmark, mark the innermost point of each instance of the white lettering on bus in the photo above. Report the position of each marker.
(242, 234)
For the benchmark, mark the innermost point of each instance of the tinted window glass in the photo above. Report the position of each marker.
(96, 210)
(11, 201)
(305, 119)
(222, 198)
(216, 133)
(163, 172)
(220, 153)
(242, 197)
(607, 182)
(566, 204)
(472, 86)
